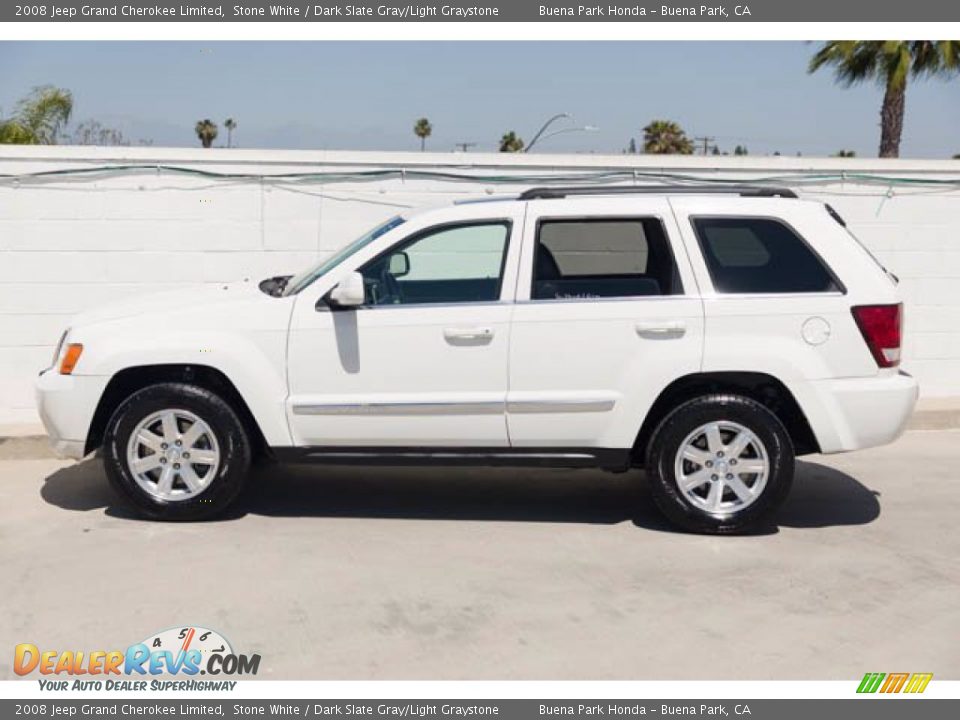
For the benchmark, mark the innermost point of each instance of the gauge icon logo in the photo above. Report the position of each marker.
(195, 649)
(185, 639)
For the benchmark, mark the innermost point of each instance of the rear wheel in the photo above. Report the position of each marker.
(176, 452)
(720, 464)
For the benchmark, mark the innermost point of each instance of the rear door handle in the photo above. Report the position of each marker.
(468, 333)
(661, 328)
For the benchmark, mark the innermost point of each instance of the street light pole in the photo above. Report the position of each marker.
(585, 128)
(543, 128)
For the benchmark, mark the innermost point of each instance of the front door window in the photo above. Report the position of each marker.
(453, 264)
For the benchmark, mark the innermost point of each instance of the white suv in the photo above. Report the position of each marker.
(709, 335)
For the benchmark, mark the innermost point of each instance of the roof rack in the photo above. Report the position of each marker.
(549, 193)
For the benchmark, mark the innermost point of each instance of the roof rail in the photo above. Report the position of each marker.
(549, 193)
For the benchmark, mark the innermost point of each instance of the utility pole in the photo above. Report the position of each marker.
(464, 146)
(706, 143)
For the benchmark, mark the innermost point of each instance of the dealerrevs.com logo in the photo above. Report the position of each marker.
(184, 651)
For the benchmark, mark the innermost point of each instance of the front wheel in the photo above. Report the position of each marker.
(176, 451)
(720, 464)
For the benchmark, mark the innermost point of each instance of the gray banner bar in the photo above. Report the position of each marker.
(874, 708)
(479, 10)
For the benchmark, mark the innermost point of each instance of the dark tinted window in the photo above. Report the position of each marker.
(603, 258)
(759, 255)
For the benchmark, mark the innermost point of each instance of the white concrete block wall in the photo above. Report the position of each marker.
(70, 243)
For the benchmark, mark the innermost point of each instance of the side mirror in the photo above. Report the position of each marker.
(399, 264)
(349, 292)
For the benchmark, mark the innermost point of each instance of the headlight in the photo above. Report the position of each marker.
(56, 353)
(66, 355)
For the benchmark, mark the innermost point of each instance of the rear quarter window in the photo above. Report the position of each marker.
(760, 255)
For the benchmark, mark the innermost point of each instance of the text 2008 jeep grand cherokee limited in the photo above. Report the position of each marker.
(709, 335)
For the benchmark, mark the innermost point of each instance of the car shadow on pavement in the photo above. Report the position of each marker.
(822, 496)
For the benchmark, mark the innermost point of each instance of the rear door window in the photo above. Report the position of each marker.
(760, 255)
(603, 258)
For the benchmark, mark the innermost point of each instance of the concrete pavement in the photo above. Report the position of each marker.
(355, 573)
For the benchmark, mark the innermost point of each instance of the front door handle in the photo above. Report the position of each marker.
(468, 333)
(661, 328)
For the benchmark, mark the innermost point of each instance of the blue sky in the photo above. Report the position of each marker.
(367, 95)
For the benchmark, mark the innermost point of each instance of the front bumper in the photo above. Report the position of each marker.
(858, 413)
(66, 404)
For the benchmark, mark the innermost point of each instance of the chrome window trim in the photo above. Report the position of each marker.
(623, 299)
(492, 303)
(413, 306)
(772, 296)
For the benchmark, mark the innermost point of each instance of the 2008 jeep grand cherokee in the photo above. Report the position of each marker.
(709, 335)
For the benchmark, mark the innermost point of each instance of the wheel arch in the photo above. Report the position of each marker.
(761, 387)
(129, 380)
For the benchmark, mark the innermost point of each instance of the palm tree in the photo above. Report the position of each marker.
(890, 63)
(13, 133)
(665, 137)
(93, 132)
(39, 118)
(207, 132)
(423, 129)
(230, 124)
(511, 142)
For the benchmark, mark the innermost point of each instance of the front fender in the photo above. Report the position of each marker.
(255, 362)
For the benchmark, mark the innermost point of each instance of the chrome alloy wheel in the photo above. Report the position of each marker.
(173, 455)
(722, 467)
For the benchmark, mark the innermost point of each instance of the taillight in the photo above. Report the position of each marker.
(881, 326)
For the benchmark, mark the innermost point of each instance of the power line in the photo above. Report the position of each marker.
(707, 139)
(795, 178)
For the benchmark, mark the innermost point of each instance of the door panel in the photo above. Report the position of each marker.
(400, 376)
(425, 363)
(582, 374)
(585, 369)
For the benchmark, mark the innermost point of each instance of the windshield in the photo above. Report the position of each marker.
(301, 280)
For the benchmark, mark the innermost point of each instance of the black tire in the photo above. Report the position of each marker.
(687, 418)
(231, 438)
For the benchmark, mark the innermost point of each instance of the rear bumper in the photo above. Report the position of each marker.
(66, 404)
(856, 413)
